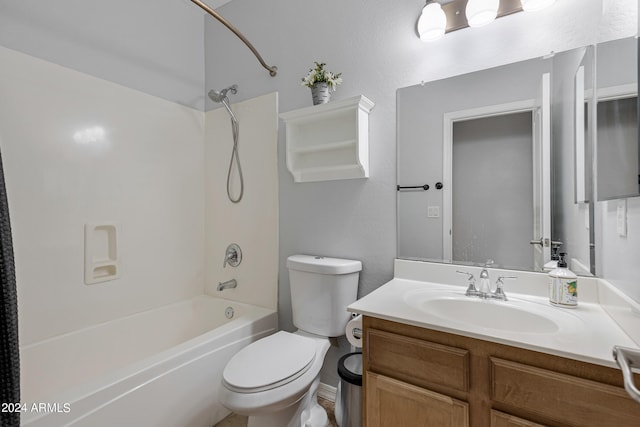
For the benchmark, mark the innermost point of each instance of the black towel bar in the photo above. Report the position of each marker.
(424, 187)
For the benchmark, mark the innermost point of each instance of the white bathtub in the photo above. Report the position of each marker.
(156, 368)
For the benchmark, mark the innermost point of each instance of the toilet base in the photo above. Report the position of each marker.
(307, 412)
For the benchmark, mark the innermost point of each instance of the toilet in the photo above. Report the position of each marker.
(274, 381)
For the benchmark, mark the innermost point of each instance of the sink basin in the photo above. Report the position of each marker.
(515, 315)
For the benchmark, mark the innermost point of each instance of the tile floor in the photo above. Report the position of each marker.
(235, 420)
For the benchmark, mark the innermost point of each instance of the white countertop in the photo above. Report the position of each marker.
(590, 337)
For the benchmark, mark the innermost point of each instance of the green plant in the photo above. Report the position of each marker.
(319, 75)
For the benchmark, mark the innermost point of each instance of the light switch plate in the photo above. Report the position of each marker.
(433, 212)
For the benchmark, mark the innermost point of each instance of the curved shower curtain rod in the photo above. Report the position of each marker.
(273, 70)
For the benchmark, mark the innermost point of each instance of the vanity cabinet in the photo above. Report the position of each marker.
(419, 377)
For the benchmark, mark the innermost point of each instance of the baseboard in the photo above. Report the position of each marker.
(327, 392)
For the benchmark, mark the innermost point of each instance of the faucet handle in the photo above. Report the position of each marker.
(471, 289)
(468, 274)
(499, 292)
(232, 256)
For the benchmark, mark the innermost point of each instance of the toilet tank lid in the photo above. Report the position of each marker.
(323, 265)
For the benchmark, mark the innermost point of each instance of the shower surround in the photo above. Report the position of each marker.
(78, 149)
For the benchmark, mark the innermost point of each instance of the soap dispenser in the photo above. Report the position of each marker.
(563, 285)
(553, 264)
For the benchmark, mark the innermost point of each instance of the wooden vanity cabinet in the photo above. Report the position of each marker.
(417, 377)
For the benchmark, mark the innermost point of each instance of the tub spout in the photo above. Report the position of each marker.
(227, 285)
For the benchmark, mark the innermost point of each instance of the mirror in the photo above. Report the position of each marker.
(618, 174)
(572, 216)
(479, 134)
(487, 139)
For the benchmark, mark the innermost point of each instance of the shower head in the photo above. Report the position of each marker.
(219, 96)
(222, 98)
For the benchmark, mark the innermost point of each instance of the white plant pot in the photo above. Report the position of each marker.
(320, 93)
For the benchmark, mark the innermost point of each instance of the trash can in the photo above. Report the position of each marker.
(349, 394)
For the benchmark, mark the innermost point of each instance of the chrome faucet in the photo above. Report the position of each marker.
(484, 291)
(485, 283)
(227, 285)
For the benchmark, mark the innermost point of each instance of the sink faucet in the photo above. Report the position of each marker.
(227, 285)
(484, 291)
(485, 283)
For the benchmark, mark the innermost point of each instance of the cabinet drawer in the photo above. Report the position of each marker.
(562, 398)
(417, 361)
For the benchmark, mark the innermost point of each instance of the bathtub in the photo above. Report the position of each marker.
(161, 367)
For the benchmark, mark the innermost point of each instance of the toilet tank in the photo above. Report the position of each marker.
(321, 290)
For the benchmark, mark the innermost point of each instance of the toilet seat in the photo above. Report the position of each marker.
(269, 363)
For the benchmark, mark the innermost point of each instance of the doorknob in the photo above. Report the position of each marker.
(544, 242)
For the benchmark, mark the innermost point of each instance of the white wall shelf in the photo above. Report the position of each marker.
(329, 141)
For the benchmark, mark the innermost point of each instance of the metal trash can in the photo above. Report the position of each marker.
(348, 409)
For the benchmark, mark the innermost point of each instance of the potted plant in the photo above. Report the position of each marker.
(320, 81)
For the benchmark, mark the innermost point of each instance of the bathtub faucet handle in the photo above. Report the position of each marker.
(233, 256)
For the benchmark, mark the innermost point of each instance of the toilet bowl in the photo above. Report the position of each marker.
(274, 381)
(275, 387)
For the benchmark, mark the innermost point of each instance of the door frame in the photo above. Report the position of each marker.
(447, 156)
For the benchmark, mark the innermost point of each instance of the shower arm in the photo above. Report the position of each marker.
(273, 70)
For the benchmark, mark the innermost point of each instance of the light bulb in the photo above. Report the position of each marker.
(533, 5)
(432, 22)
(481, 12)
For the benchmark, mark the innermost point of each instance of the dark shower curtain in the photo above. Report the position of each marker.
(9, 352)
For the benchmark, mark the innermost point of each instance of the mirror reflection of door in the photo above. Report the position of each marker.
(497, 159)
(493, 180)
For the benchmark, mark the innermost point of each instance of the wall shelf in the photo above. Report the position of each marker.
(329, 141)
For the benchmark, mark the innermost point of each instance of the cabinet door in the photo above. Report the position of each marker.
(393, 403)
(565, 399)
(500, 419)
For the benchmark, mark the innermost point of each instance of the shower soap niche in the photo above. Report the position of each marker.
(329, 141)
(100, 253)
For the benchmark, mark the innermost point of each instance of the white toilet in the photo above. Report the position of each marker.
(275, 380)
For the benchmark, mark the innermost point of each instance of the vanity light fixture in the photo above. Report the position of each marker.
(444, 16)
(481, 12)
(533, 5)
(432, 22)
